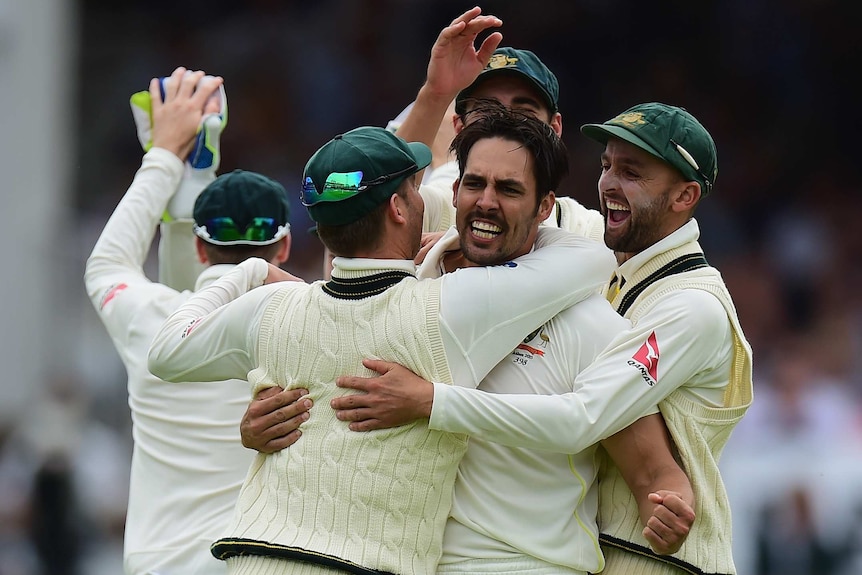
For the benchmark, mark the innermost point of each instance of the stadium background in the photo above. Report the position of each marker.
(772, 80)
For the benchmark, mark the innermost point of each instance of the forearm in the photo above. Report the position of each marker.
(483, 314)
(424, 120)
(203, 340)
(124, 244)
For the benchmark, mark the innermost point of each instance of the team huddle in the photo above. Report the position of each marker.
(413, 412)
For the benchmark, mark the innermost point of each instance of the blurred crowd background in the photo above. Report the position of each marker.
(773, 81)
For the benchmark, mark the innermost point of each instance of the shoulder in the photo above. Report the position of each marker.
(593, 316)
(698, 312)
(439, 211)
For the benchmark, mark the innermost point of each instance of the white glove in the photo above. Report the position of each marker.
(203, 161)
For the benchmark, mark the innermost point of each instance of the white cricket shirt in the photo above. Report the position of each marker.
(187, 463)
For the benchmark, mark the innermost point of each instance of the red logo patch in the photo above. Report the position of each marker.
(109, 295)
(191, 326)
(531, 349)
(647, 356)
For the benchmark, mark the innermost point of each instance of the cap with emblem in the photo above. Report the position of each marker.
(667, 132)
(357, 171)
(244, 208)
(520, 63)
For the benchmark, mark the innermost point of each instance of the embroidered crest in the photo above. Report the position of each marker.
(532, 346)
(629, 120)
(501, 61)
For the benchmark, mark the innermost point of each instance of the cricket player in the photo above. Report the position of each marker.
(340, 501)
(685, 352)
(187, 460)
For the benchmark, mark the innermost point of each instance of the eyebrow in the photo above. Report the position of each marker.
(625, 161)
(510, 182)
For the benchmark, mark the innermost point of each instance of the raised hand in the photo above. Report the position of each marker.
(177, 117)
(455, 61)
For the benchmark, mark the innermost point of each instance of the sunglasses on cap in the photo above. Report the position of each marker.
(343, 185)
(224, 231)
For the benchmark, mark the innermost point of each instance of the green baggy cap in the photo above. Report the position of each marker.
(667, 132)
(242, 207)
(521, 63)
(357, 171)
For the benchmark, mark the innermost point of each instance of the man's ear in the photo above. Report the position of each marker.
(202, 252)
(546, 206)
(396, 208)
(283, 250)
(686, 199)
(556, 123)
(455, 185)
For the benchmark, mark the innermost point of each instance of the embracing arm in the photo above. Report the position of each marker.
(486, 311)
(611, 393)
(643, 452)
(212, 336)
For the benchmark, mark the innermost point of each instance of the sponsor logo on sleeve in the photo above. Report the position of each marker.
(191, 326)
(645, 360)
(110, 293)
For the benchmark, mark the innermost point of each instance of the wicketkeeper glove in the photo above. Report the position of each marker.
(203, 161)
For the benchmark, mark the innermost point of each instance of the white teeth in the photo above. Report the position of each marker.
(485, 230)
(612, 205)
(486, 227)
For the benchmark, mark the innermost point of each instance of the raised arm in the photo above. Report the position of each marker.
(455, 62)
(115, 265)
(179, 266)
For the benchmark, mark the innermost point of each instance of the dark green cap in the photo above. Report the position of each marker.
(667, 132)
(355, 172)
(245, 198)
(521, 63)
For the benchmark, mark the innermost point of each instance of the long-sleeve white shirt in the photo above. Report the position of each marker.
(483, 314)
(479, 308)
(187, 462)
(695, 346)
(519, 508)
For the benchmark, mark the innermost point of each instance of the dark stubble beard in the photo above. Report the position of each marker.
(642, 229)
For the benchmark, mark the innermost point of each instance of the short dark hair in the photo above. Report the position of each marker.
(364, 234)
(494, 120)
(238, 253)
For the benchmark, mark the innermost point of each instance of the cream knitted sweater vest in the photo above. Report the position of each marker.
(699, 432)
(378, 499)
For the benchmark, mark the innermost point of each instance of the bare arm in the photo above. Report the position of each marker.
(643, 452)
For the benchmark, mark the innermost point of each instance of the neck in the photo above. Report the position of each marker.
(455, 260)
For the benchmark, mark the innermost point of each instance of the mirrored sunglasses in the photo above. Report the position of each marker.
(343, 185)
(224, 231)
